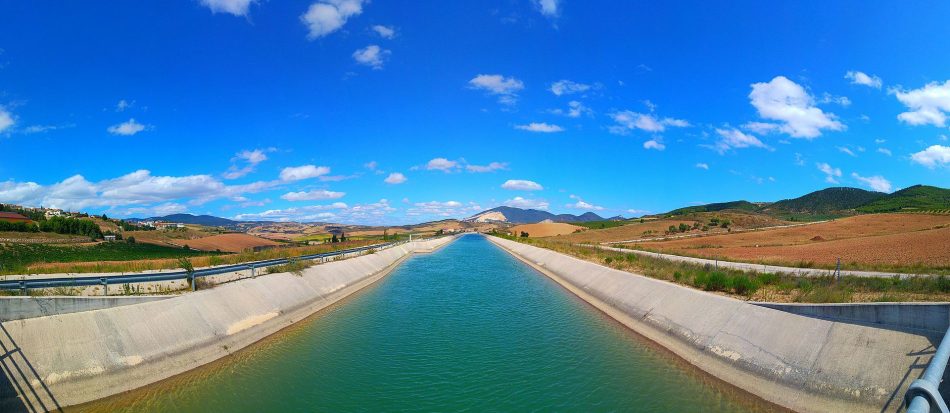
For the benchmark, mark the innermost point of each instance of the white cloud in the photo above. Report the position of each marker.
(736, 139)
(831, 174)
(654, 144)
(312, 195)
(235, 7)
(627, 121)
(327, 16)
(250, 158)
(491, 167)
(876, 183)
(505, 88)
(928, 105)
(386, 32)
(443, 209)
(128, 128)
(885, 151)
(524, 203)
(136, 188)
(123, 105)
(372, 56)
(521, 185)
(861, 78)
(581, 204)
(540, 127)
(568, 87)
(762, 128)
(787, 102)
(702, 166)
(574, 110)
(935, 155)
(395, 178)
(846, 151)
(159, 210)
(307, 213)
(297, 173)
(880, 141)
(840, 100)
(442, 164)
(549, 8)
(6, 119)
(371, 165)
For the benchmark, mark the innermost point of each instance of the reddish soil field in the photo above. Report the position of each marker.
(880, 240)
(547, 229)
(227, 242)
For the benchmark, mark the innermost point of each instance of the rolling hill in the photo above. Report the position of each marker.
(836, 202)
(914, 198)
(207, 220)
(529, 216)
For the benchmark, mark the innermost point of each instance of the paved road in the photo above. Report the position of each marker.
(744, 266)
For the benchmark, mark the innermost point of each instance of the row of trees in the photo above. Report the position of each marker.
(63, 225)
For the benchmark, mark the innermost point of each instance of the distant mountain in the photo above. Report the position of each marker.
(720, 206)
(206, 220)
(825, 201)
(836, 202)
(529, 216)
(914, 198)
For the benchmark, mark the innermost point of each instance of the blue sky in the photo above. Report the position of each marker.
(378, 112)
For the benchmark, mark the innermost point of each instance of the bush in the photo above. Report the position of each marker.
(744, 285)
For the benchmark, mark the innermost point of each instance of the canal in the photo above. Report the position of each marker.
(466, 328)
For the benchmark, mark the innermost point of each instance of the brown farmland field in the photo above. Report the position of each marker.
(228, 242)
(545, 229)
(878, 241)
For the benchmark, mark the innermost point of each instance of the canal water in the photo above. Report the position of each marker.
(468, 328)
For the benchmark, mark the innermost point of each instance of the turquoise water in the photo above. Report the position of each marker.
(468, 328)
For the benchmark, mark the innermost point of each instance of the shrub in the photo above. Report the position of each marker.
(744, 285)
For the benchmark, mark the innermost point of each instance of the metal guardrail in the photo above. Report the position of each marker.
(923, 395)
(25, 284)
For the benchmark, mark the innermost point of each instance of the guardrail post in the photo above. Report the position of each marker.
(22, 287)
(105, 285)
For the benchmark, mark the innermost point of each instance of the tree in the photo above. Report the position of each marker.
(130, 240)
(683, 227)
(342, 237)
(524, 234)
(186, 265)
(334, 239)
(385, 234)
(671, 229)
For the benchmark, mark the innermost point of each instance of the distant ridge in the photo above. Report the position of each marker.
(529, 216)
(207, 220)
(836, 202)
(913, 198)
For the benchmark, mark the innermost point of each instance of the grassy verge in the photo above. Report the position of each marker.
(774, 287)
(915, 268)
(123, 257)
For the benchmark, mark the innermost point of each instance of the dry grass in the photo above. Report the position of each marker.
(172, 263)
(546, 229)
(760, 286)
(881, 241)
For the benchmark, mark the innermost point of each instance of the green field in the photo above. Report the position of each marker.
(600, 224)
(16, 257)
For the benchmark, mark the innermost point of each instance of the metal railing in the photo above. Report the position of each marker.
(25, 284)
(923, 395)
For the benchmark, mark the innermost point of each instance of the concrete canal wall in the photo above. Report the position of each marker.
(802, 363)
(18, 308)
(68, 359)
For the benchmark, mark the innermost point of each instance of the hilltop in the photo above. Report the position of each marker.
(528, 216)
(834, 202)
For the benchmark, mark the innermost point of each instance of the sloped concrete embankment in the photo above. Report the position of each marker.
(17, 308)
(802, 363)
(69, 359)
